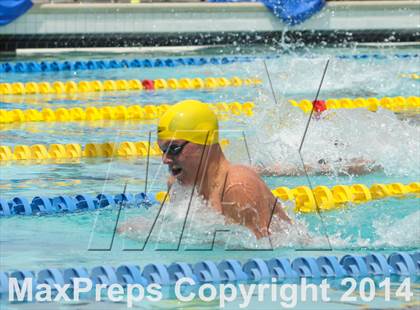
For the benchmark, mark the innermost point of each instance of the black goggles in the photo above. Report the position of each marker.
(174, 149)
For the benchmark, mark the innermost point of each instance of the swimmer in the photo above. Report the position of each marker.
(188, 135)
(354, 166)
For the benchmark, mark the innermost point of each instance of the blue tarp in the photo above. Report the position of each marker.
(12, 9)
(291, 12)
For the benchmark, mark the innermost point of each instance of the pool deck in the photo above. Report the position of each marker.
(63, 25)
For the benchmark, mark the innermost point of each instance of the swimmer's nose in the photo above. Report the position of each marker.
(166, 159)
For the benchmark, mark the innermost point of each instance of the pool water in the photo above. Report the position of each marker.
(272, 137)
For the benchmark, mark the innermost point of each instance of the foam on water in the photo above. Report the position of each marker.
(379, 138)
(202, 223)
(199, 222)
(394, 232)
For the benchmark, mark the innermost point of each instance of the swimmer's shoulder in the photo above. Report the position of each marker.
(236, 169)
(242, 174)
(240, 183)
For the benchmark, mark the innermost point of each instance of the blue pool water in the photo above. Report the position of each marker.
(273, 136)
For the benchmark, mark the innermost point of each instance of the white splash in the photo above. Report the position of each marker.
(403, 232)
(341, 137)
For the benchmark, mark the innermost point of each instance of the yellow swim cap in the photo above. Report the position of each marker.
(189, 120)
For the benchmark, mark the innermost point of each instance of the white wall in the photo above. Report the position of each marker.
(208, 17)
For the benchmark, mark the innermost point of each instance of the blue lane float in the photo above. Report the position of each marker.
(255, 270)
(54, 66)
(41, 205)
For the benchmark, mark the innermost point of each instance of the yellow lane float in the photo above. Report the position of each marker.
(120, 112)
(307, 200)
(395, 104)
(71, 87)
(54, 151)
(413, 76)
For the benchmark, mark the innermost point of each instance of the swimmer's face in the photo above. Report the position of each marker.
(183, 159)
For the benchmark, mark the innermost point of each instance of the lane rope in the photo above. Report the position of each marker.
(70, 87)
(119, 112)
(413, 76)
(395, 104)
(55, 66)
(40, 153)
(337, 197)
(254, 270)
(340, 196)
(75, 150)
(79, 65)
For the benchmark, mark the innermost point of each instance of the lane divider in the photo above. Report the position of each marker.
(378, 56)
(305, 199)
(41, 205)
(60, 87)
(413, 76)
(120, 112)
(254, 270)
(42, 152)
(75, 150)
(339, 196)
(395, 104)
(55, 66)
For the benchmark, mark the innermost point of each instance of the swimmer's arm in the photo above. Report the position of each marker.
(353, 167)
(360, 166)
(134, 226)
(280, 211)
(240, 208)
(281, 170)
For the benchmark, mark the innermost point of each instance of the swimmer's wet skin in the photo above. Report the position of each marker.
(188, 135)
